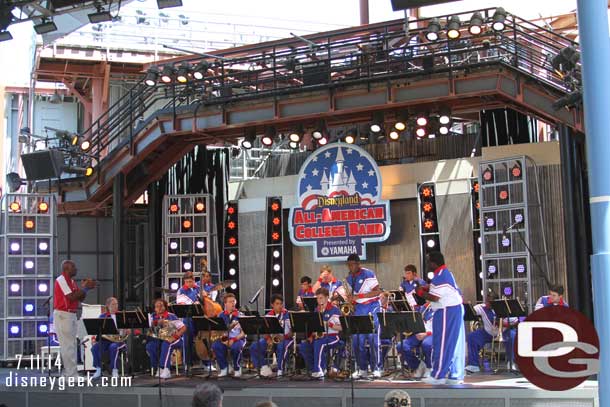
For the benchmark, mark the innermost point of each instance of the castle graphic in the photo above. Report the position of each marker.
(338, 179)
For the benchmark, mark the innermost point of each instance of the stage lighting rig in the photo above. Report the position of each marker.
(269, 136)
(45, 27)
(152, 76)
(476, 24)
(376, 125)
(453, 28)
(434, 27)
(249, 138)
(570, 100)
(499, 19)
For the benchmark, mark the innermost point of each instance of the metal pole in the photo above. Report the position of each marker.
(595, 53)
(364, 12)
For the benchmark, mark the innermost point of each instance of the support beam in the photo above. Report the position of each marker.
(364, 12)
(120, 238)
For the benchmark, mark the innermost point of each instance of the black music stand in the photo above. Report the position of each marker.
(187, 311)
(392, 323)
(100, 326)
(505, 309)
(400, 302)
(356, 325)
(469, 313)
(249, 313)
(258, 326)
(310, 303)
(131, 320)
(205, 324)
(306, 323)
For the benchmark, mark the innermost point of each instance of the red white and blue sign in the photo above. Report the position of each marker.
(339, 207)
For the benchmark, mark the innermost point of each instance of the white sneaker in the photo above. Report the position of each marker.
(317, 375)
(115, 372)
(420, 371)
(428, 372)
(472, 369)
(432, 380)
(514, 367)
(266, 371)
(237, 373)
(377, 374)
(158, 372)
(360, 374)
(223, 373)
(280, 373)
(165, 374)
(97, 374)
(454, 382)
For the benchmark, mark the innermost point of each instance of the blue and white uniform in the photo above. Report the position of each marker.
(315, 352)
(207, 287)
(411, 346)
(334, 286)
(153, 346)
(304, 293)
(236, 347)
(477, 339)
(187, 296)
(409, 287)
(448, 350)
(102, 346)
(545, 301)
(363, 282)
(258, 349)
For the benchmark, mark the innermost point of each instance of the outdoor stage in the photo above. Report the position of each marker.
(481, 390)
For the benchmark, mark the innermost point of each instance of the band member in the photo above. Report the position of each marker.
(448, 350)
(409, 284)
(554, 298)
(329, 281)
(258, 349)
(189, 293)
(315, 351)
(66, 301)
(305, 291)
(234, 341)
(208, 286)
(102, 345)
(365, 295)
(419, 343)
(159, 350)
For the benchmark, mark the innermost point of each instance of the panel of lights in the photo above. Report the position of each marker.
(274, 279)
(428, 221)
(231, 248)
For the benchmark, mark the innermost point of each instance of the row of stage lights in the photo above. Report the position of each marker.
(184, 73)
(476, 25)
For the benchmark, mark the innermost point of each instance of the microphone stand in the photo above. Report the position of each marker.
(255, 297)
(529, 250)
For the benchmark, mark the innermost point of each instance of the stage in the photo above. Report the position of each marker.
(484, 390)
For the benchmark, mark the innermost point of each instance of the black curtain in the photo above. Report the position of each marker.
(504, 126)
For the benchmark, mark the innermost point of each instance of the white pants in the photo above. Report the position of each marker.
(65, 327)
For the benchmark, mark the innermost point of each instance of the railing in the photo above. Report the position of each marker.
(377, 52)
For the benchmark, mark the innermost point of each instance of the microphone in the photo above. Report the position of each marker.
(253, 299)
(504, 229)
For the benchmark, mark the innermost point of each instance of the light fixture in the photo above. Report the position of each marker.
(505, 241)
(15, 206)
(186, 224)
(28, 264)
(499, 19)
(491, 269)
(453, 28)
(520, 268)
(275, 282)
(420, 132)
(43, 207)
(85, 145)
(443, 130)
(14, 330)
(276, 267)
(296, 134)
(173, 245)
(232, 257)
(269, 136)
(28, 307)
(430, 275)
(45, 27)
(199, 206)
(293, 145)
(318, 132)
(444, 116)
(29, 224)
(14, 181)
(187, 265)
(434, 26)
(508, 291)
(200, 244)
(431, 243)
(101, 16)
(248, 141)
(421, 120)
(276, 254)
(174, 286)
(488, 174)
(43, 287)
(394, 135)
(377, 122)
(234, 286)
(323, 141)
(200, 70)
(518, 218)
(15, 287)
(56, 98)
(152, 76)
(516, 171)
(15, 247)
(173, 208)
(503, 195)
(43, 246)
(428, 224)
(89, 171)
(43, 328)
(490, 222)
(161, 4)
(350, 137)
(167, 73)
(182, 74)
(401, 121)
(476, 24)
(232, 271)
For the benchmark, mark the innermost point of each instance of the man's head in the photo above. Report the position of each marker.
(322, 296)
(435, 260)
(112, 305)
(353, 263)
(277, 303)
(384, 297)
(490, 297)
(230, 301)
(397, 398)
(206, 277)
(207, 395)
(69, 267)
(556, 293)
(410, 272)
(188, 279)
(305, 283)
(326, 273)
(160, 305)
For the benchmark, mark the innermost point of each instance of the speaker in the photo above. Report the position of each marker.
(428, 63)
(406, 4)
(315, 73)
(45, 164)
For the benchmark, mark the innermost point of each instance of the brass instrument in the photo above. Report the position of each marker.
(164, 331)
(346, 308)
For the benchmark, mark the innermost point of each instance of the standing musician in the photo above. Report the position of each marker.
(305, 291)
(555, 298)
(445, 298)
(159, 350)
(329, 281)
(103, 345)
(365, 296)
(258, 349)
(409, 284)
(315, 350)
(234, 341)
(423, 340)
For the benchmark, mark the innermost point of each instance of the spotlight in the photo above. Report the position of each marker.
(516, 171)
(232, 241)
(200, 244)
(248, 141)
(231, 210)
(401, 121)
(499, 19)
(45, 27)
(296, 134)
(434, 26)
(234, 286)
(276, 267)
(420, 132)
(394, 135)
(488, 174)
(199, 206)
(323, 141)
(319, 131)
(508, 291)
(428, 224)
(15, 206)
(101, 16)
(503, 195)
(232, 256)
(29, 307)
(505, 241)
(430, 275)
(276, 221)
(15, 287)
(351, 135)
(293, 145)
(275, 236)
(444, 116)
(187, 265)
(43, 246)
(421, 120)
(85, 145)
(453, 28)
(426, 192)
(427, 207)
(268, 137)
(168, 3)
(377, 122)
(167, 73)
(490, 222)
(275, 282)
(173, 208)
(152, 76)
(491, 269)
(186, 224)
(520, 268)
(231, 225)
(43, 328)
(431, 243)
(232, 271)
(15, 247)
(89, 171)
(182, 75)
(173, 245)
(14, 330)
(43, 287)
(28, 224)
(174, 286)
(43, 207)
(276, 254)
(476, 23)
(28, 264)
(443, 130)
(518, 218)
(200, 70)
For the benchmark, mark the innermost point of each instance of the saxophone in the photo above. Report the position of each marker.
(347, 308)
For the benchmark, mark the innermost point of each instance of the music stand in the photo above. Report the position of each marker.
(310, 303)
(131, 320)
(505, 309)
(187, 310)
(205, 324)
(394, 323)
(261, 325)
(307, 322)
(469, 313)
(400, 302)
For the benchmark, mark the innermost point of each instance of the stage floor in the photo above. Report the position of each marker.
(484, 390)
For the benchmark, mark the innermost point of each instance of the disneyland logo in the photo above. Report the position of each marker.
(339, 200)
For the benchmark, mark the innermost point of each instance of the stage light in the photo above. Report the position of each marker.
(85, 145)
(186, 224)
(491, 269)
(275, 236)
(14, 329)
(377, 122)
(174, 208)
(296, 134)
(276, 221)
(430, 275)
(234, 286)
(275, 282)
(161, 4)
(174, 286)
(201, 70)
(444, 116)
(488, 174)
(199, 206)
(173, 245)
(503, 195)
(427, 207)
(28, 224)
(182, 74)
(28, 307)
(401, 121)
(15, 206)
(232, 256)
(420, 132)
(232, 241)
(15, 287)
(317, 134)
(89, 171)
(187, 265)
(43, 287)
(516, 172)
(431, 243)
(453, 28)
(15, 247)
(508, 291)
(167, 73)
(505, 241)
(323, 141)
(394, 135)
(518, 218)
(476, 23)
(43, 246)
(74, 139)
(152, 76)
(434, 26)
(349, 139)
(249, 138)
(479, 240)
(293, 145)
(481, 275)
(499, 19)
(276, 267)
(276, 254)
(428, 224)
(45, 27)
(200, 244)
(520, 268)
(28, 264)
(490, 222)
(231, 225)
(268, 137)
(43, 207)
(232, 271)
(421, 120)
(43, 328)
(426, 192)
(443, 130)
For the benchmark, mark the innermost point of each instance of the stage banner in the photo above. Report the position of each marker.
(339, 207)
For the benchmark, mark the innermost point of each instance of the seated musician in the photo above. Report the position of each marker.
(258, 349)
(555, 298)
(477, 339)
(208, 286)
(102, 345)
(315, 351)
(189, 293)
(233, 342)
(305, 291)
(410, 282)
(159, 350)
(329, 281)
(419, 343)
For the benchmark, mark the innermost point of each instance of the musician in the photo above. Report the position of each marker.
(235, 340)
(208, 286)
(66, 301)
(555, 298)
(102, 345)
(189, 293)
(305, 291)
(365, 297)
(409, 284)
(258, 349)
(329, 281)
(448, 323)
(315, 351)
(159, 350)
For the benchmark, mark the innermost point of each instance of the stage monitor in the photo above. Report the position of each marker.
(45, 164)
(407, 4)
